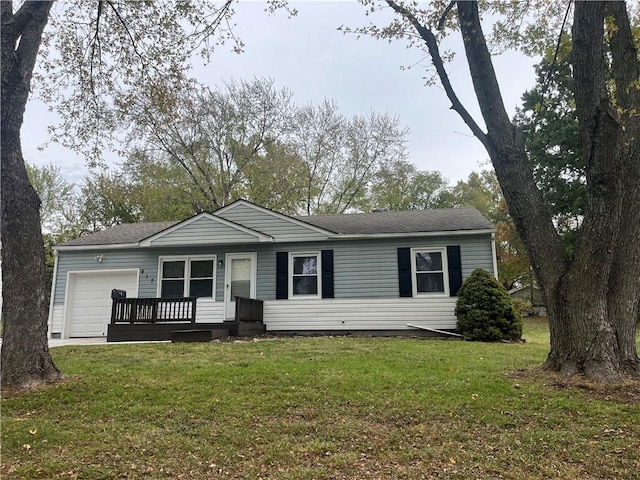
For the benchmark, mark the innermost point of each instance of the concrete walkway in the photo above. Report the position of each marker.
(58, 342)
(62, 342)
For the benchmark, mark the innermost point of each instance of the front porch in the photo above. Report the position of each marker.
(157, 319)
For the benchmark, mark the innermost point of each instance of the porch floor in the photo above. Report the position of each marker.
(126, 332)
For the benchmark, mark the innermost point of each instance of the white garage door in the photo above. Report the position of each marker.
(89, 305)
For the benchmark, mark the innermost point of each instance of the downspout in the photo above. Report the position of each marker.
(53, 292)
(494, 256)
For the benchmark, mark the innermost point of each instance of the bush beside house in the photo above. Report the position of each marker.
(485, 311)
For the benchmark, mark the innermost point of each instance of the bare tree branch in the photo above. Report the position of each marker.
(434, 51)
(443, 17)
(95, 43)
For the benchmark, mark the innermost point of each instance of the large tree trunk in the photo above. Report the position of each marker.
(592, 299)
(25, 355)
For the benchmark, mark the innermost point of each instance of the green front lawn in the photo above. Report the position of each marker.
(319, 408)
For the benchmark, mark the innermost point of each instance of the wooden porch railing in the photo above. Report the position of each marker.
(153, 310)
(249, 310)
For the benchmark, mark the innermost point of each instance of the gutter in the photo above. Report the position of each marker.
(439, 233)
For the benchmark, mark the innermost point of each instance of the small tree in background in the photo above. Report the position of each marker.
(485, 311)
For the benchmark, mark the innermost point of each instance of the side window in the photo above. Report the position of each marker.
(201, 278)
(429, 271)
(304, 277)
(187, 277)
(173, 276)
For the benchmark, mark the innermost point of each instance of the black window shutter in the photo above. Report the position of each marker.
(282, 277)
(404, 272)
(455, 269)
(327, 273)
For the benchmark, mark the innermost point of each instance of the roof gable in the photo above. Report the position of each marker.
(205, 229)
(282, 228)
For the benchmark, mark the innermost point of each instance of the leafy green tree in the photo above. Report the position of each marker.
(317, 135)
(158, 191)
(107, 200)
(57, 195)
(482, 191)
(342, 156)
(399, 185)
(369, 142)
(248, 139)
(213, 136)
(277, 181)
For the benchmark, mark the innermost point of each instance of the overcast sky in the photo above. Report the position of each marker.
(309, 56)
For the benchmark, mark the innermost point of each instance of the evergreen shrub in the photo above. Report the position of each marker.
(485, 311)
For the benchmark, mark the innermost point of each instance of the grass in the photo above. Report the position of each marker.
(319, 408)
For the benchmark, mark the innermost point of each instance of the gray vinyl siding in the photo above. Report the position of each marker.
(112, 260)
(202, 231)
(362, 268)
(147, 261)
(369, 268)
(282, 230)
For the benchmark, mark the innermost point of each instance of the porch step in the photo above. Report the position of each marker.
(145, 332)
(198, 335)
(251, 329)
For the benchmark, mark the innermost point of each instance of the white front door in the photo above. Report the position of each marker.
(240, 280)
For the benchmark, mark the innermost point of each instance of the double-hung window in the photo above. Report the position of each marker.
(187, 277)
(429, 271)
(304, 280)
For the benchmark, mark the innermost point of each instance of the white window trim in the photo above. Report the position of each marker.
(292, 255)
(187, 271)
(445, 272)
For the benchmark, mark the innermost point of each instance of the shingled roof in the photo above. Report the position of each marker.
(384, 222)
(126, 233)
(410, 221)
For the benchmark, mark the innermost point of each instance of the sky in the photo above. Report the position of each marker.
(315, 61)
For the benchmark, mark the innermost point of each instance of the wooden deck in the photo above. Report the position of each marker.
(155, 319)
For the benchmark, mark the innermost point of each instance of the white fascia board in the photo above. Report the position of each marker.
(261, 237)
(281, 216)
(364, 236)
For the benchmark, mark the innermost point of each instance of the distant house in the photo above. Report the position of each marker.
(370, 272)
(530, 294)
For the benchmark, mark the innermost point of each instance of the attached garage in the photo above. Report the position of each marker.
(88, 310)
